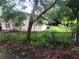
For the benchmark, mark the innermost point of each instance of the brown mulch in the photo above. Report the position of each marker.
(58, 52)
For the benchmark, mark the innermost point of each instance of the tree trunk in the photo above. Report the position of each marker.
(29, 29)
(77, 32)
(32, 19)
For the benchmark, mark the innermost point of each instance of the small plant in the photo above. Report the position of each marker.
(12, 36)
(76, 49)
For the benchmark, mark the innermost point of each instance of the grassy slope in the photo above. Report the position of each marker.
(58, 29)
(50, 36)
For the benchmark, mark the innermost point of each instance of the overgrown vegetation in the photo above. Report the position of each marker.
(43, 38)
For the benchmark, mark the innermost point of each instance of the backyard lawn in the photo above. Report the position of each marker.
(53, 43)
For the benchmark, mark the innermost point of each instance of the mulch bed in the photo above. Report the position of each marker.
(58, 52)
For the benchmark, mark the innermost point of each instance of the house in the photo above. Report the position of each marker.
(10, 26)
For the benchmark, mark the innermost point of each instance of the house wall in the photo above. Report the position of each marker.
(35, 27)
(26, 22)
(3, 24)
(24, 27)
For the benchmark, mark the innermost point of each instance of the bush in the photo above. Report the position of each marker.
(38, 38)
(50, 38)
(12, 36)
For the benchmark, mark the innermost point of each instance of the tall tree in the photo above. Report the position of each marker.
(74, 5)
(33, 19)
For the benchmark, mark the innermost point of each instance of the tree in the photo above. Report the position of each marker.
(33, 19)
(10, 12)
(74, 5)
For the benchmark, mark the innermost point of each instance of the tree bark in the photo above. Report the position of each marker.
(29, 30)
(31, 23)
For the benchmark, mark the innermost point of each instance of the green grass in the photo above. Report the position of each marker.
(58, 29)
(12, 36)
(52, 36)
(38, 38)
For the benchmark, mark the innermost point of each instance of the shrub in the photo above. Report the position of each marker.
(12, 36)
(38, 38)
(50, 38)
